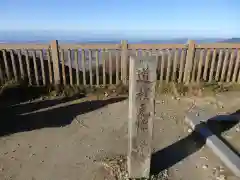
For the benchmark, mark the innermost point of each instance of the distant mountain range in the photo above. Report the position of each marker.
(232, 40)
(184, 40)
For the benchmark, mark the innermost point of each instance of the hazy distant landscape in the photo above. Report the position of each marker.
(84, 37)
(25, 37)
(69, 38)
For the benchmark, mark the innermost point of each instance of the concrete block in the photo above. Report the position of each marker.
(228, 157)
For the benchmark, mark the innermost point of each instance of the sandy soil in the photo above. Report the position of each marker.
(56, 140)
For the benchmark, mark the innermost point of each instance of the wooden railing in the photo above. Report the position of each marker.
(102, 64)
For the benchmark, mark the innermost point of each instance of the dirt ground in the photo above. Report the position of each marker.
(57, 140)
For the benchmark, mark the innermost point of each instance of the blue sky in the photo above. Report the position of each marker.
(168, 18)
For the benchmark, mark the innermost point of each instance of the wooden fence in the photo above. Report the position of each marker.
(103, 64)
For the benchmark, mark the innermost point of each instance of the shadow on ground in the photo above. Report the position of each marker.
(183, 148)
(26, 117)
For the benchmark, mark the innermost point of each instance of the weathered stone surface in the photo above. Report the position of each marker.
(141, 113)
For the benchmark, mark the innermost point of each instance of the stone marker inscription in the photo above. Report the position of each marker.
(142, 83)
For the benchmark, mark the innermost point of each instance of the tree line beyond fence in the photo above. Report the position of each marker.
(105, 64)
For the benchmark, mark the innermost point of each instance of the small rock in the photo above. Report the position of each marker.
(221, 177)
(32, 154)
(205, 166)
(204, 158)
(221, 169)
(100, 150)
(217, 171)
(190, 130)
(106, 94)
(88, 157)
(238, 129)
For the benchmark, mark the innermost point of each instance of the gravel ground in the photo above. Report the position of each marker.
(70, 141)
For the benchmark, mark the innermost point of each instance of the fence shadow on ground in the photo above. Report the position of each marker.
(25, 117)
(185, 147)
(19, 92)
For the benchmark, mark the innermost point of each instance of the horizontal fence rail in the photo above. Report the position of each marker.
(104, 64)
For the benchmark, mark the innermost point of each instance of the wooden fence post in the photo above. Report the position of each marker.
(189, 61)
(124, 63)
(142, 82)
(56, 62)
